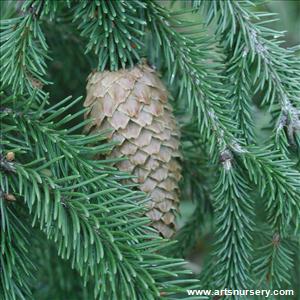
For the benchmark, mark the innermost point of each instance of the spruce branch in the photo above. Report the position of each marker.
(202, 83)
(237, 67)
(85, 207)
(23, 52)
(274, 262)
(16, 268)
(113, 30)
(186, 54)
(234, 222)
(282, 213)
(240, 94)
(278, 183)
(80, 204)
(215, 128)
(43, 8)
(250, 44)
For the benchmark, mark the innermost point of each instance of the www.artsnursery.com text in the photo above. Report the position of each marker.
(229, 292)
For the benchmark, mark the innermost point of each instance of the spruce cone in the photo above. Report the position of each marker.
(135, 104)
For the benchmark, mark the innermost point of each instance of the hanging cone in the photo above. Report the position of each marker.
(134, 103)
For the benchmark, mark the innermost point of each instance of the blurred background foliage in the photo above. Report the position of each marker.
(289, 18)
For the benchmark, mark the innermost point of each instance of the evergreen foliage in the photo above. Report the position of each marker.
(68, 217)
(23, 48)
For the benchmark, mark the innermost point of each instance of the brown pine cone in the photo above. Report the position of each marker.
(134, 103)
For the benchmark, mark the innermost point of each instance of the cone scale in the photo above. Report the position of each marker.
(134, 104)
